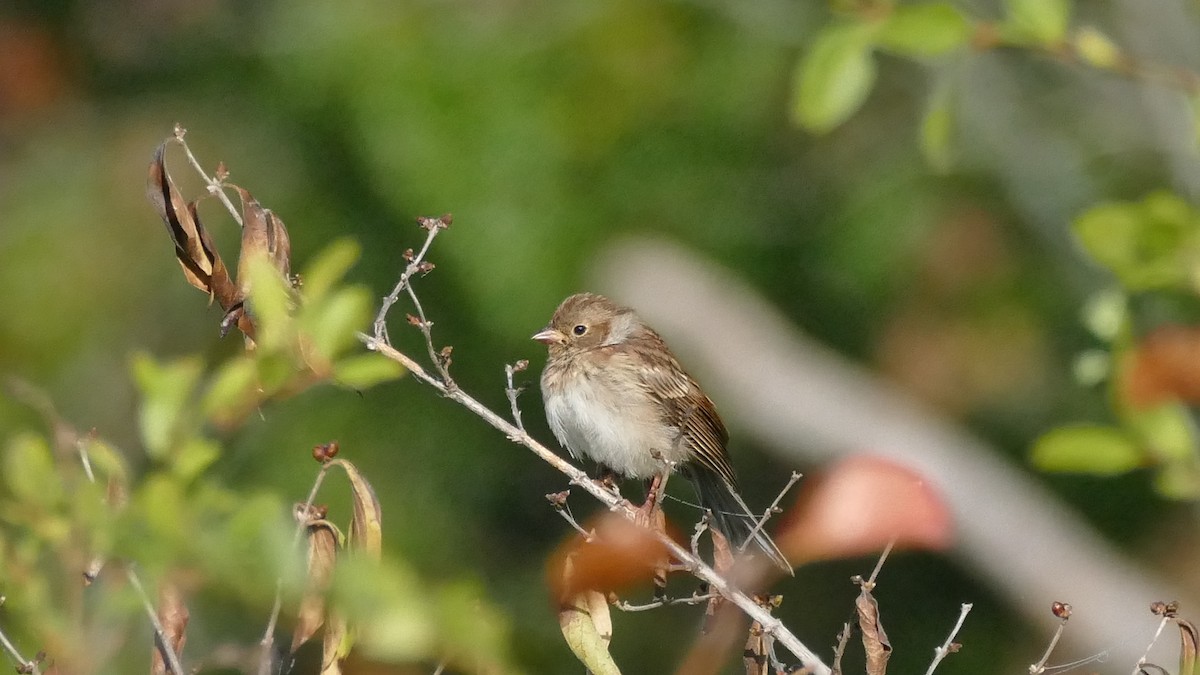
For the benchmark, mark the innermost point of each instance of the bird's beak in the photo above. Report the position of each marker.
(549, 336)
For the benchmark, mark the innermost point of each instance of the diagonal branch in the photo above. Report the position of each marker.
(691, 562)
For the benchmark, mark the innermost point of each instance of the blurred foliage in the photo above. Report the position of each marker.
(925, 231)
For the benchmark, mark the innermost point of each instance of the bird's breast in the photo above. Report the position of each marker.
(610, 420)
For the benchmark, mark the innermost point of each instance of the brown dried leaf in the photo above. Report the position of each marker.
(263, 234)
(193, 247)
(173, 614)
(754, 658)
(322, 559)
(1189, 640)
(366, 529)
(875, 639)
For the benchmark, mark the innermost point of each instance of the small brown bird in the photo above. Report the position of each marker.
(615, 393)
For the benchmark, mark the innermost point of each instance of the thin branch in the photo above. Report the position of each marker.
(700, 528)
(23, 665)
(512, 392)
(840, 650)
(160, 634)
(215, 185)
(949, 646)
(771, 510)
(694, 599)
(693, 563)
(268, 639)
(1142, 661)
(1040, 667)
(414, 266)
(870, 583)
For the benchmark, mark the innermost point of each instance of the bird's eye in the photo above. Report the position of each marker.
(580, 329)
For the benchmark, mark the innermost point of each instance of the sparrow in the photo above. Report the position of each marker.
(615, 393)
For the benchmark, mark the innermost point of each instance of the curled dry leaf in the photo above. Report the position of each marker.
(323, 540)
(1189, 641)
(858, 506)
(366, 529)
(194, 248)
(1165, 365)
(875, 639)
(263, 234)
(173, 614)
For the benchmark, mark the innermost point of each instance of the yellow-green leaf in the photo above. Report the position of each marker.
(331, 325)
(833, 80)
(937, 129)
(1042, 22)
(30, 471)
(328, 268)
(584, 639)
(233, 388)
(1095, 450)
(365, 370)
(166, 391)
(926, 29)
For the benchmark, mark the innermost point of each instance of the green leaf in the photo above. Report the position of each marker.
(194, 457)
(833, 80)
(365, 370)
(1105, 313)
(30, 471)
(332, 324)
(937, 129)
(389, 607)
(329, 268)
(166, 390)
(1041, 22)
(1178, 481)
(234, 387)
(579, 630)
(927, 29)
(1150, 244)
(1167, 432)
(270, 302)
(1097, 450)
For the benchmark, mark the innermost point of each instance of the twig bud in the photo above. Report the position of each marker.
(520, 366)
(558, 499)
(408, 255)
(179, 131)
(445, 220)
(222, 172)
(425, 267)
(1061, 609)
(412, 320)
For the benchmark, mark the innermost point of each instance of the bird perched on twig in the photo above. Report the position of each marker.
(616, 394)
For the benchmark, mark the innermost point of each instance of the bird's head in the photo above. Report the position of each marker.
(586, 321)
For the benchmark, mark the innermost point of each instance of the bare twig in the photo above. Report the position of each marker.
(771, 510)
(693, 563)
(840, 650)
(215, 185)
(699, 530)
(949, 646)
(268, 639)
(413, 267)
(160, 635)
(512, 392)
(441, 668)
(870, 583)
(23, 665)
(694, 599)
(1142, 661)
(559, 501)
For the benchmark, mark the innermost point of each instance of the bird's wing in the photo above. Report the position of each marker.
(689, 410)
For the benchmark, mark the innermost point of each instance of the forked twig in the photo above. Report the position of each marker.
(949, 646)
(160, 634)
(771, 510)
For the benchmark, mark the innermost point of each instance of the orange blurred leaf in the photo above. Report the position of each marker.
(1165, 365)
(859, 505)
(620, 555)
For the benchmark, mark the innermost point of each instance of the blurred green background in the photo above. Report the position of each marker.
(549, 129)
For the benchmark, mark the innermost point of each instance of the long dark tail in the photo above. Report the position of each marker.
(731, 515)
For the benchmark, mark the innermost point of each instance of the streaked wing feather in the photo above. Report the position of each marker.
(693, 413)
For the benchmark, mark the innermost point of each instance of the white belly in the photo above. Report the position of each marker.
(618, 427)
